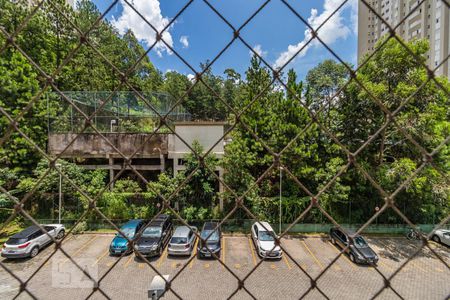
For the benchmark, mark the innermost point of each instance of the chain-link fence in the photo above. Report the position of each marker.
(236, 202)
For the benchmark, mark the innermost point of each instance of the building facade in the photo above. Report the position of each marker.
(152, 153)
(429, 21)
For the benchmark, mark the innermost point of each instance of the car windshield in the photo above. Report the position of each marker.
(265, 236)
(16, 241)
(152, 232)
(178, 240)
(214, 236)
(360, 242)
(128, 232)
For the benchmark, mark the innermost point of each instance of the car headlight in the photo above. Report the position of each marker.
(154, 247)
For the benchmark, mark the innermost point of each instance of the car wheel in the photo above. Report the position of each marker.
(34, 252)
(436, 239)
(60, 235)
(352, 258)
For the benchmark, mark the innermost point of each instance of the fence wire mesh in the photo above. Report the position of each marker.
(279, 156)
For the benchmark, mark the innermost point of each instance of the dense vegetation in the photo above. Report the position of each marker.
(281, 117)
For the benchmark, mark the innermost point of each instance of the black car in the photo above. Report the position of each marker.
(154, 237)
(210, 239)
(358, 251)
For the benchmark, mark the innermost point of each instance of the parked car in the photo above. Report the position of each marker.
(31, 240)
(211, 235)
(163, 217)
(442, 236)
(359, 250)
(264, 241)
(155, 237)
(182, 241)
(119, 244)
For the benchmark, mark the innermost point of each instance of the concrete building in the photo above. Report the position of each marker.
(429, 21)
(154, 153)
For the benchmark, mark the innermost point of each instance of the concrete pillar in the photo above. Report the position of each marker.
(111, 172)
(220, 189)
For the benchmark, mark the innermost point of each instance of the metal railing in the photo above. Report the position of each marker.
(48, 80)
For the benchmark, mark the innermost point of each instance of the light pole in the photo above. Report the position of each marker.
(281, 177)
(58, 165)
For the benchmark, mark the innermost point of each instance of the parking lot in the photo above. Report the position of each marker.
(425, 277)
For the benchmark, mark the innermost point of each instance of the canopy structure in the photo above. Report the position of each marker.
(114, 111)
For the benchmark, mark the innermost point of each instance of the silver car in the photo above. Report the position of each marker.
(31, 240)
(263, 238)
(442, 236)
(182, 241)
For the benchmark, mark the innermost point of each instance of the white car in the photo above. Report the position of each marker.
(442, 236)
(263, 238)
(31, 240)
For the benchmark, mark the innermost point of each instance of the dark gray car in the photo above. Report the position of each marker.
(210, 242)
(358, 250)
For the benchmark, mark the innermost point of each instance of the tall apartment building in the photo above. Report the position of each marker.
(430, 21)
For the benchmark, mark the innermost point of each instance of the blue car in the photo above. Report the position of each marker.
(119, 244)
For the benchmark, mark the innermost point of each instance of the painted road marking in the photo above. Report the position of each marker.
(343, 255)
(195, 253)
(128, 261)
(412, 262)
(206, 266)
(98, 259)
(286, 261)
(252, 251)
(385, 265)
(160, 260)
(79, 249)
(313, 256)
(237, 266)
(272, 266)
(141, 266)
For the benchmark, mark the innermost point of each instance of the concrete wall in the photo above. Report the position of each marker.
(91, 145)
(206, 133)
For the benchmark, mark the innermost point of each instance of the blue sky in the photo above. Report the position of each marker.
(199, 33)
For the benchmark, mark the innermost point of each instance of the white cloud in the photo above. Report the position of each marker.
(333, 30)
(354, 15)
(184, 41)
(152, 13)
(191, 77)
(258, 49)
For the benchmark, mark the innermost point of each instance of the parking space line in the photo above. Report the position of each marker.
(313, 256)
(98, 259)
(128, 261)
(195, 253)
(161, 258)
(252, 251)
(223, 252)
(286, 261)
(343, 255)
(80, 249)
(385, 265)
